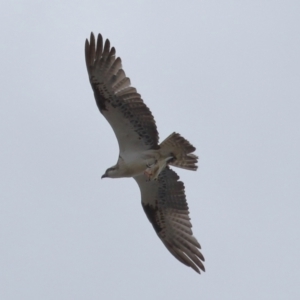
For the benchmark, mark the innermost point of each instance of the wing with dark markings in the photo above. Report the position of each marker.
(120, 104)
(165, 205)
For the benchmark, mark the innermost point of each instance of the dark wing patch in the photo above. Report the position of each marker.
(165, 205)
(152, 213)
(120, 104)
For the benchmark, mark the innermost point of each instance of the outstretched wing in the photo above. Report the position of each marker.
(165, 205)
(120, 104)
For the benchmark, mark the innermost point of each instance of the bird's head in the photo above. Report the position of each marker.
(112, 172)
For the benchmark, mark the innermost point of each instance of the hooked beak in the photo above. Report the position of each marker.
(103, 176)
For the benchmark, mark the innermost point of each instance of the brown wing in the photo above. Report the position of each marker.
(120, 104)
(165, 205)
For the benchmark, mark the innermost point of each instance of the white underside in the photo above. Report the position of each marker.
(149, 162)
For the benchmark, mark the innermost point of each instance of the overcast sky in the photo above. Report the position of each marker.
(225, 75)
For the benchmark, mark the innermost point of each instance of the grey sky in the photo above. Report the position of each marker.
(224, 74)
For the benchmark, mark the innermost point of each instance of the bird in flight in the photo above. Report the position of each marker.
(140, 154)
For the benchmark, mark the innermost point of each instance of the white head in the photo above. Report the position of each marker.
(112, 172)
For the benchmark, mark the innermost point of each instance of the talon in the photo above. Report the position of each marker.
(148, 174)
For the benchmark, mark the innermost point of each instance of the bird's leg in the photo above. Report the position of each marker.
(159, 167)
(149, 170)
(148, 175)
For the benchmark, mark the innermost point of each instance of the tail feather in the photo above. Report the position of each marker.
(180, 151)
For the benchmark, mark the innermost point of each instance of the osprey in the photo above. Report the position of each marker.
(140, 154)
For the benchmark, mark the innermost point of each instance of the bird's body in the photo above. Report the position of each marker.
(133, 164)
(140, 154)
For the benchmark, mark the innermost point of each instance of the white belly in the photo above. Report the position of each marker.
(134, 165)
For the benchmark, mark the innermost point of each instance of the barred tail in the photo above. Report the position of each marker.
(181, 152)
